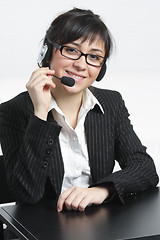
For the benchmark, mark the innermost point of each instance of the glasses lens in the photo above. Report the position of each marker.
(70, 52)
(95, 60)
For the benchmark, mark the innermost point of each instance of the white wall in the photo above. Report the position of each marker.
(134, 68)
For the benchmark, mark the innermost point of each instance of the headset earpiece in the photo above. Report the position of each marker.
(42, 55)
(45, 55)
(102, 72)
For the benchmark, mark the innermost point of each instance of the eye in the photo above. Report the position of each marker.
(70, 50)
(94, 57)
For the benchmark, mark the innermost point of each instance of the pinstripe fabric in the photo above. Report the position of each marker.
(32, 151)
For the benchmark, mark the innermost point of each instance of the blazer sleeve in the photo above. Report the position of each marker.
(138, 170)
(27, 144)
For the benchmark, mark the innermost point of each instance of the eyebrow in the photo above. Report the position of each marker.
(93, 49)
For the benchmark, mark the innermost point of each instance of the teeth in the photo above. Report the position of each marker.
(75, 76)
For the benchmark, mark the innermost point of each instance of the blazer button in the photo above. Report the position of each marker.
(45, 164)
(50, 142)
(48, 151)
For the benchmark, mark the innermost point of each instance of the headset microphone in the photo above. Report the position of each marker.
(68, 81)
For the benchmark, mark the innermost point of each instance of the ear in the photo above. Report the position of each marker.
(102, 72)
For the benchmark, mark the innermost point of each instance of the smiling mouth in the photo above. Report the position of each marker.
(76, 77)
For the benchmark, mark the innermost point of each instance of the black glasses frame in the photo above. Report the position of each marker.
(60, 48)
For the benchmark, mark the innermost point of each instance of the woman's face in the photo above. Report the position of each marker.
(83, 73)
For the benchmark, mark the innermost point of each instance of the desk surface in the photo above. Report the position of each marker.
(139, 219)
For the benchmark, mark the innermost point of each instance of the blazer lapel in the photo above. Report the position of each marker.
(100, 143)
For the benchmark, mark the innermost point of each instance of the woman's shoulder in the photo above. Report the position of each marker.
(109, 98)
(106, 93)
(17, 103)
(18, 98)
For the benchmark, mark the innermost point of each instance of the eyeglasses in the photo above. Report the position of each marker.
(75, 54)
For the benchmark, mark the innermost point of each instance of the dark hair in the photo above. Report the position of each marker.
(78, 23)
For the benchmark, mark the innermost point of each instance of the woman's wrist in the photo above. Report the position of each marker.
(103, 190)
(41, 114)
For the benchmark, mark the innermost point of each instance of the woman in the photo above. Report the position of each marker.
(61, 141)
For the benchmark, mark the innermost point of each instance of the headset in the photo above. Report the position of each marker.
(46, 54)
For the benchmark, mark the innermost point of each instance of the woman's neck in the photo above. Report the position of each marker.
(70, 105)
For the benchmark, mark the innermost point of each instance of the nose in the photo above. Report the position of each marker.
(80, 63)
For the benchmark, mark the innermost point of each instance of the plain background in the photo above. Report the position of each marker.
(133, 69)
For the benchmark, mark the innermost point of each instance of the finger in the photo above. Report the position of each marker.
(62, 198)
(40, 82)
(73, 199)
(84, 203)
(38, 78)
(43, 81)
(41, 71)
(96, 195)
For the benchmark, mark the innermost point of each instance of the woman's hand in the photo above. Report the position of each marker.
(76, 198)
(39, 90)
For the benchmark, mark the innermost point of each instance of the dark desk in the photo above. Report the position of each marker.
(139, 219)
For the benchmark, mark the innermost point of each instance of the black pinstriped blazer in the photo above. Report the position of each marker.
(32, 151)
